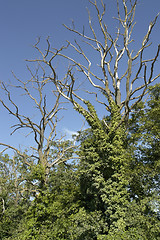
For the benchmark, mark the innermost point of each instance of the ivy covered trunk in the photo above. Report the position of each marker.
(104, 179)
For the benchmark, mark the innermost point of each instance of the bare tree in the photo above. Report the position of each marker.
(44, 129)
(112, 51)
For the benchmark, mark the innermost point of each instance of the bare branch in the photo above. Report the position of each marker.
(112, 53)
(44, 128)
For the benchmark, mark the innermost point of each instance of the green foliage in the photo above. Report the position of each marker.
(120, 174)
(111, 193)
(46, 216)
(103, 169)
(145, 141)
(12, 206)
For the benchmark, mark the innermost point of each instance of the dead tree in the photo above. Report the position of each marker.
(112, 51)
(43, 127)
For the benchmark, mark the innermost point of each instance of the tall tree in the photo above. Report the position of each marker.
(105, 156)
(109, 190)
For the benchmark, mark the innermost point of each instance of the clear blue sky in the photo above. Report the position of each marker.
(22, 21)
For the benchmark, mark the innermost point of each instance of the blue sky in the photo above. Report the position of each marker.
(22, 21)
